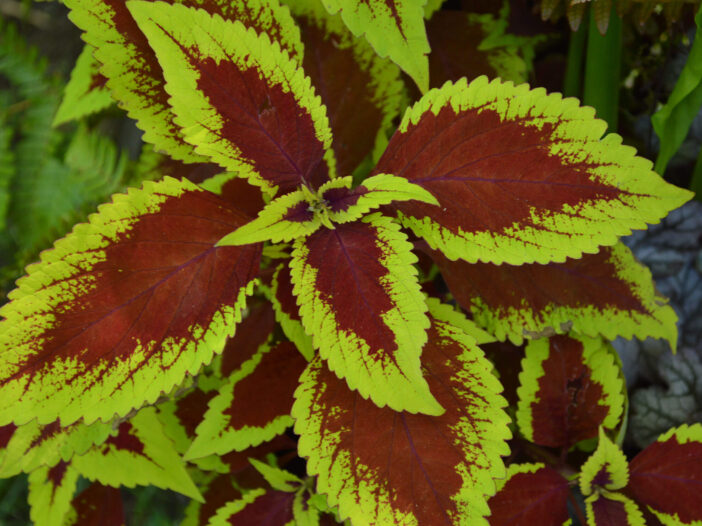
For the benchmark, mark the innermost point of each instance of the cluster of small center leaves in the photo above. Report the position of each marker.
(306, 216)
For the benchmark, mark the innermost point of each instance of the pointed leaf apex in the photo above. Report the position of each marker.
(606, 469)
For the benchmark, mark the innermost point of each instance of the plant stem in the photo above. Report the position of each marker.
(603, 70)
(572, 83)
(576, 509)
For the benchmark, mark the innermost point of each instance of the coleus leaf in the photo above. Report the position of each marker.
(134, 74)
(287, 313)
(384, 467)
(666, 476)
(180, 418)
(138, 453)
(124, 306)
(606, 469)
(395, 28)
(217, 492)
(520, 176)
(237, 191)
(255, 330)
(283, 219)
(260, 507)
(362, 92)
(347, 204)
(85, 92)
(278, 479)
(32, 445)
(301, 212)
(459, 48)
(240, 99)
(612, 509)
(97, 505)
(569, 387)
(530, 494)
(50, 493)
(221, 489)
(608, 293)
(360, 302)
(253, 405)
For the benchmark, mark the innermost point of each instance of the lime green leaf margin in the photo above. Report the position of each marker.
(604, 371)
(63, 276)
(81, 97)
(172, 30)
(396, 382)
(394, 28)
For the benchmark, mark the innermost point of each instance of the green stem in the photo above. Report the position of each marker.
(603, 70)
(577, 509)
(573, 81)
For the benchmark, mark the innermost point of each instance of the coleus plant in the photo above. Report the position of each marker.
(197, 322)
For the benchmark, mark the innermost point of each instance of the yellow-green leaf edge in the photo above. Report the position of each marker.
(515, 324)
(222, 40)
(403, 388)
(43, 286)
(598, 357)
(580, 136)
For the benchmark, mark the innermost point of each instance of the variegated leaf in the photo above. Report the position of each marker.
(362, 92)
(608, 294)
(606, 469)
(460, 47)
(181, 417)
(237, 191)
(520, 176)
(360, 302)
(121, 309)
(33, 445)
(260, 507)
(530, 494)
(253, 405)
(85, 92)
(222, 489)
(277, 478)
(138, 453)
(347, 204)
(612, 509)
(133, 72)
(241, 100)
(666, 476)
(395, 28)
(385, 467)
(50, 493)
(285, 218)
(97, 505)
(569, 387)
(287, 313)
(255, 330)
